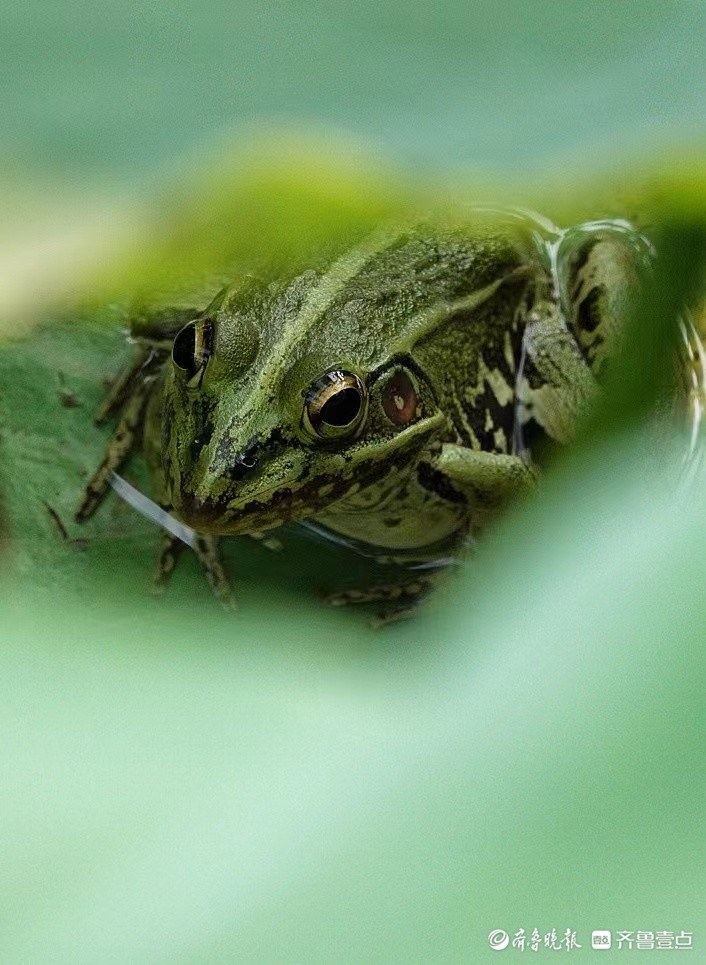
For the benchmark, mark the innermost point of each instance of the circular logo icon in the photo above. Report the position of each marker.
(498, 939)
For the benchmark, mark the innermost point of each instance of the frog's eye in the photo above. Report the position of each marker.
(335, 405)
(400, 398)
(191, 351)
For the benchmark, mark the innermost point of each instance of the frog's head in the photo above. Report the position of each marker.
(277, 403)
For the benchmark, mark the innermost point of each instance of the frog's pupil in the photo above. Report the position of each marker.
(342, 408)
(184, 348)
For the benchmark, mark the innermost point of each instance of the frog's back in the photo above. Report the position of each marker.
(453, 299)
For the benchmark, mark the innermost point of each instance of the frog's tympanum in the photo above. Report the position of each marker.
(395, 395)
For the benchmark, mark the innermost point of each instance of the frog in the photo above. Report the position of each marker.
(393, 394)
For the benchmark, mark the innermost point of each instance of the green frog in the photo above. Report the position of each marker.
(393, 394)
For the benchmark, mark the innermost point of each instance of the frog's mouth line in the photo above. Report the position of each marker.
(138, 501)
(152, 511)
(293, 500)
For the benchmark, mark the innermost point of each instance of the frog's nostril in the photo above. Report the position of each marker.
(244, 462)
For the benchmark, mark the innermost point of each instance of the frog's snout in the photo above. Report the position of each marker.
(201, 514)
(204, 513)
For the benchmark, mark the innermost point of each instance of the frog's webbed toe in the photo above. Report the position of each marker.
(170, 550)
(207, 552)
(402, 598)
(207, 549)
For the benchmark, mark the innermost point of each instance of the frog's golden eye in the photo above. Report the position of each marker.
(191, 351)
(335, 405)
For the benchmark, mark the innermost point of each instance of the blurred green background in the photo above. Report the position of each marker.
(285, 785)
(115, 89)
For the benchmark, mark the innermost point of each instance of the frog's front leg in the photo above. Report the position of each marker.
(487, 481)
(121, 445)
(207, 551)
(129, 398)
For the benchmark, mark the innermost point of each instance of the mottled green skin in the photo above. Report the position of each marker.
(449, 303)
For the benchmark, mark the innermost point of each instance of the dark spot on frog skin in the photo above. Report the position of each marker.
(204, 418)
(392, 521)
(536, 441)
(580, 262)
(436, 482)
(589, 312)
(501, 419)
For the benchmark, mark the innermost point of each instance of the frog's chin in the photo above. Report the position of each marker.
(256, 512)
